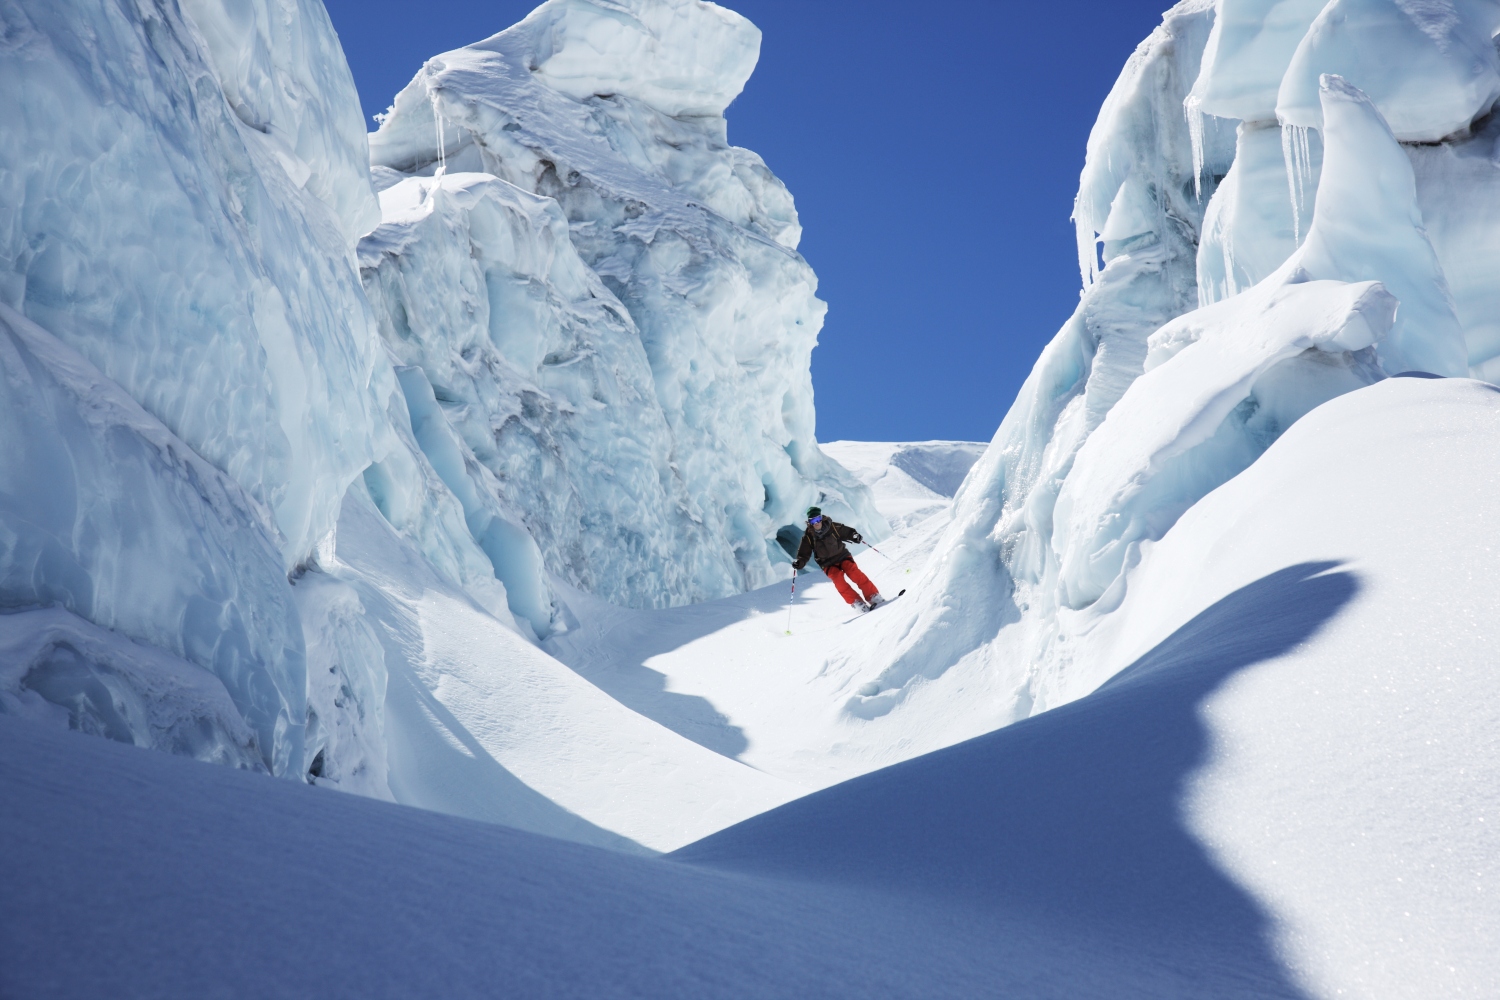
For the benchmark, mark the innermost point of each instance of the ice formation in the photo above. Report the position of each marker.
(607, 296)
(1227, 292)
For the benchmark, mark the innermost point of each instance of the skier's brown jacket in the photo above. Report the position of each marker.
(825, 543)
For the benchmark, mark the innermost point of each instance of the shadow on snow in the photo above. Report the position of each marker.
(1072, 818)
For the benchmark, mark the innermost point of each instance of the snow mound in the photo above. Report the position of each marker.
(57, 668)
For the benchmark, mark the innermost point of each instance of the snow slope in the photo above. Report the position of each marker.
(1287, 791)
(1298, 696)
(482, 724)
(755, 679)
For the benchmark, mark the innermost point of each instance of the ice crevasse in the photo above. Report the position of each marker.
(1282, 202)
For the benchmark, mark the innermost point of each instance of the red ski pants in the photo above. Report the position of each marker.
(853, 572)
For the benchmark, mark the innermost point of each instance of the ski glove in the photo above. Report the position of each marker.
(857, 539)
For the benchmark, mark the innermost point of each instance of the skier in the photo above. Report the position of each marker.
(824, 541)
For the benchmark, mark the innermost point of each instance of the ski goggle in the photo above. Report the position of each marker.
(815, 520)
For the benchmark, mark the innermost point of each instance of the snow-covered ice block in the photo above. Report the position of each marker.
(541, 372)
(144, 224)
(1429, 66)
(1458, 191)
(1367, 225)
(695, 279)
(1002, 518)
(58, 668)
(1145, 169)
(512, 552)
(681, 57)
(1221, 384)
(1247, 55)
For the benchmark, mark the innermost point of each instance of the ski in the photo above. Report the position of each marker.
(888, 601)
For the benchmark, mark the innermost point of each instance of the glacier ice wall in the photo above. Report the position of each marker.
(192, 375)
(185, 252)
(110, 516)
(1346, 235)
(606, 296)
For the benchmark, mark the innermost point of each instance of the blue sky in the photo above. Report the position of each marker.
(933, 149)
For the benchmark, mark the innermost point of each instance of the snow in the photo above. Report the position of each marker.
(1275, 780)
(910, 481)
(482, 724)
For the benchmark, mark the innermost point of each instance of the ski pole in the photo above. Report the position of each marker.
(884, 556)
(791, 602)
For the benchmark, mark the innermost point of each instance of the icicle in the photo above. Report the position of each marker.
(1296, 153)
(437, 120)
(1194, 113)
